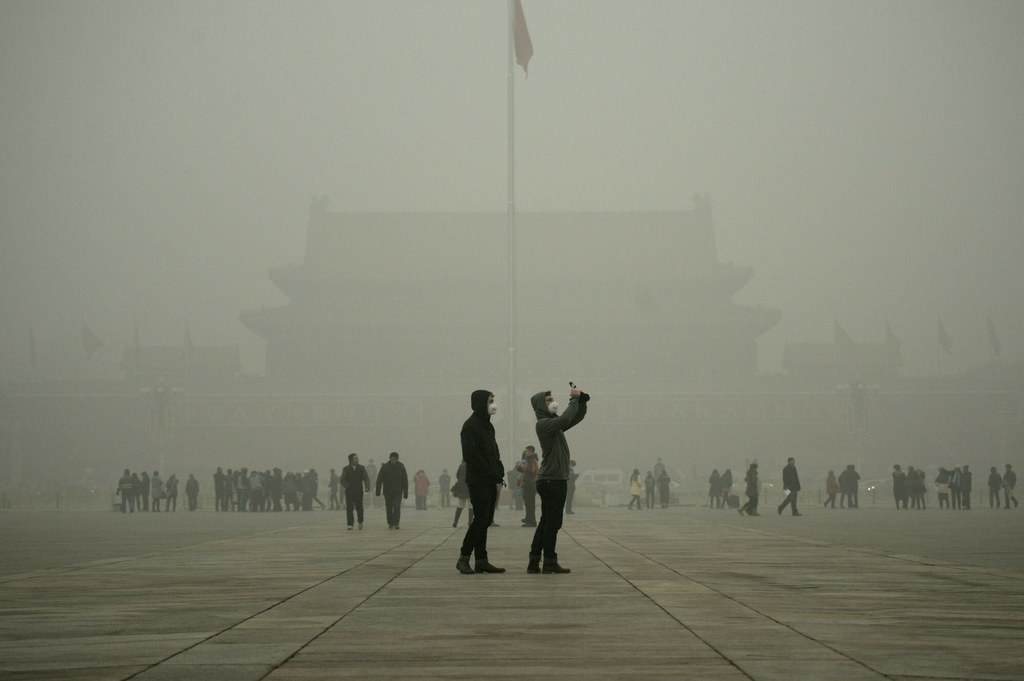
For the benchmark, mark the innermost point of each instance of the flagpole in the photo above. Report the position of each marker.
(511, 229)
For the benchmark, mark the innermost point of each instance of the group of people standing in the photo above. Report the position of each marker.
(953, 487)
(660, 483)
(144, 492)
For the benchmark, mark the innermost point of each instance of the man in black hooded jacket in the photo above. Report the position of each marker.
(484, 473)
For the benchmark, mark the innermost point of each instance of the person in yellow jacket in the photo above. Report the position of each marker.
(635, 489)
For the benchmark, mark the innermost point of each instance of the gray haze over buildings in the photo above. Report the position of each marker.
(865, 158)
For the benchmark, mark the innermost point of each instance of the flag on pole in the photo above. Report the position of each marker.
(842, 339)
(892, 346)
(521, 38)
(945, 342)
(993, 339)
(90, 341)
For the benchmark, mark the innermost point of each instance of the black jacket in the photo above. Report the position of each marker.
(393, 479)
(790, 480)
(479, 446)
(355, 480)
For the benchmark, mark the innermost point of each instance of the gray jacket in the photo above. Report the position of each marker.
(551, 429)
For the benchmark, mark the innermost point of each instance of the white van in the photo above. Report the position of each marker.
(604, 486)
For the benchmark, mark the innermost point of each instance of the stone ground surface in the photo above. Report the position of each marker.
(683, 593)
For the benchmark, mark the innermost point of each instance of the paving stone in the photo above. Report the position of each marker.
(683, 593)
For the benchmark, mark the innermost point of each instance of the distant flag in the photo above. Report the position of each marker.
(32, 346)
(892, 346)
(90, 341)
(521, 38)
(993, 339)
(945, 342)
(842, 339)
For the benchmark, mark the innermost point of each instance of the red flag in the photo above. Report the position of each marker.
(90, 341)
(993, 339)
(521, 38)
(945, 342)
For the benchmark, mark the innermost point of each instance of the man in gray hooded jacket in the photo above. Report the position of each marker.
(553, 477)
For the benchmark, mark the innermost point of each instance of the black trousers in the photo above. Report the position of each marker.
(552, 504)
(482, 496)
(393, 508)
(354, 503)
(791, 500)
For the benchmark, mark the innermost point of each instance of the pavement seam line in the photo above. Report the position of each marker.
(736, 601)
(281, 602)
(914, 560)
(358, 605)
(649, 598)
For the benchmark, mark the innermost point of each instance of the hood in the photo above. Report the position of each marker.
(540, 407)
(478, 401)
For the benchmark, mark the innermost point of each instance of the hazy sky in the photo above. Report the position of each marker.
(866, 158)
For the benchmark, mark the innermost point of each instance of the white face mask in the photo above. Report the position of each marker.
(553, 407)
(492, 408)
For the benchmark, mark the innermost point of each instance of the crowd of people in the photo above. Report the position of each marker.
(953, 487)
(244, 490)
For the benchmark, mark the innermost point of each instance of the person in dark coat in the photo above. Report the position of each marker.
(126, 488)
(752, 491)
(899, 487)
(218, 490)
(725, 482)
(192, 491)
(790, 485)
(1009, 484)
(966, 486)
(444, 483)
(394, 481)
(484, 473)
(355, 480)
(714, 490)
(995, 483)
(664, 487)
(570, 493)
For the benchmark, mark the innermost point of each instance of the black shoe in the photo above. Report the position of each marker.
(798, 514)
(780, 510)
(494, 524)
(463, 566)
(555, 569)
(485, 567)
(533, 567)
(529, 525)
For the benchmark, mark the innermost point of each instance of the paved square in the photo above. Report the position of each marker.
(683, 593)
